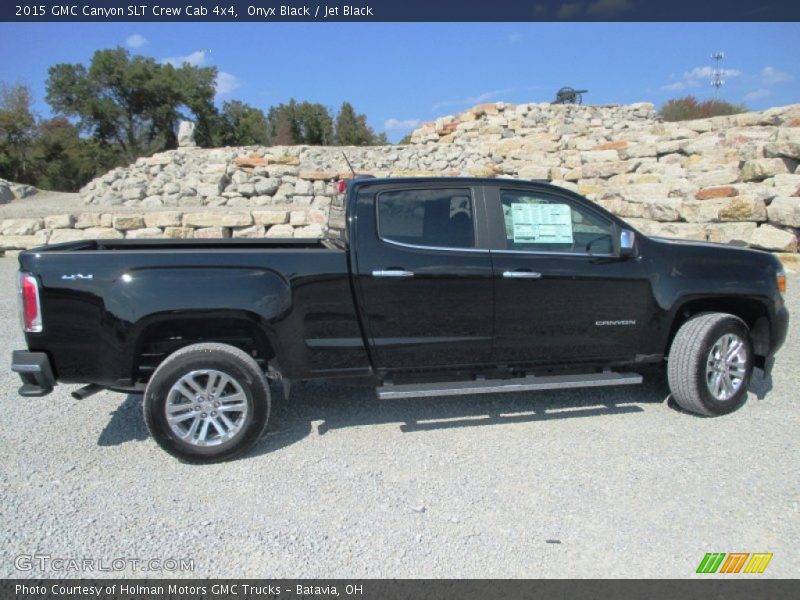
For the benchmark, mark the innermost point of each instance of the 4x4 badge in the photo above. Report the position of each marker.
(77, 276)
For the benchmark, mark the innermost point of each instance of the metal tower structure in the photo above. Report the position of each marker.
(716, 75)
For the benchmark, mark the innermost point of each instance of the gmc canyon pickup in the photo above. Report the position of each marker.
(431, 286)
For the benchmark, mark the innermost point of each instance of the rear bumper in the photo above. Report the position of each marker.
(35, 371)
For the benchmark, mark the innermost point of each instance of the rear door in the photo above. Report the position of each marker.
(563, 294)
(424, 275)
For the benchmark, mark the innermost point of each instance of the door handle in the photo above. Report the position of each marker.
(393, 273)
(521, 275)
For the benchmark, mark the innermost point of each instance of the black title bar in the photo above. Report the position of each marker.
(397, 10)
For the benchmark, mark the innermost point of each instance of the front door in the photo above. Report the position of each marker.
(563, 295)
(424, 284)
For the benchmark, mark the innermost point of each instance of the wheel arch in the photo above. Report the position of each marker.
(161, 335)
(166, 309)
(752, 311)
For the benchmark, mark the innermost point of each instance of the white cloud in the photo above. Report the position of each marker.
(471, 100)
(674, 87)
(226, 83)
(400, 124)
(486, 96)
(607, 8)
(196, 59)
(515, 37)
(757, 94)
(771, 76)
(699, 76)
(136, 41)
(700, 73)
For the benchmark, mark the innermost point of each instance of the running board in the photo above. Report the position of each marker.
(495, 386)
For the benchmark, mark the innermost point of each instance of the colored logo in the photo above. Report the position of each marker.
(734, 562)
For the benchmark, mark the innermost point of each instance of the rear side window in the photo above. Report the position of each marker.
(541, 223)
(440, 217)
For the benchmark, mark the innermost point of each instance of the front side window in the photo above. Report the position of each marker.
(441, 218)
(542, 223)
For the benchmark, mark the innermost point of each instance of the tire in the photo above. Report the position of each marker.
(699, 381)
(233, 411)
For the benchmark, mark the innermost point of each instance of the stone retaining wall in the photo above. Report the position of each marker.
(728, 179)
(23, 233)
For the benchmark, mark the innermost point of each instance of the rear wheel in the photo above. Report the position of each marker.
(710, 364)
(207, 403)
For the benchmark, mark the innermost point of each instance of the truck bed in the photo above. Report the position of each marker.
(113, 307)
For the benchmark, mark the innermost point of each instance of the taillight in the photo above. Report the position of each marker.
(780, 277)
(29, 303)
(341, 186)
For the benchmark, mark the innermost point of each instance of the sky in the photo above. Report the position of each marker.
(403, 74)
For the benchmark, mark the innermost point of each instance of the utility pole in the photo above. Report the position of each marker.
(717, 81)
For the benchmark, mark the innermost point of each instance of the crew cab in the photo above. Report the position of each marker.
(424, 287)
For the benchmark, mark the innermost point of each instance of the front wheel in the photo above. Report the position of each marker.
(710, 364)
(207, 403)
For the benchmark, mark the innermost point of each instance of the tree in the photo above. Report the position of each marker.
(352, 128)
(134, 102)
(314, 124)
(17, 132)
(49, 154)
(64, 160)
(687, 108)
(300, 123)
(311, 123)
(282, 129)
(240, 124)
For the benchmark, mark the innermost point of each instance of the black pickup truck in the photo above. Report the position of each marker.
(431, 286)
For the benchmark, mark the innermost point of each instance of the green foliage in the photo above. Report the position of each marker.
(134, 102)
(282, 129)
(49, 154)
(311, 123)
(406, 139)
(314, 124)
(17, 132)
(66, 161)
(300, 123)
(687, 108)
(352, 128)
(240, 124)
(121, 107)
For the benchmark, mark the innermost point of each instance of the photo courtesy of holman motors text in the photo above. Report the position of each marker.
(247, 590)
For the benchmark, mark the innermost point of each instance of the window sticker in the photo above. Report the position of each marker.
(541, 223)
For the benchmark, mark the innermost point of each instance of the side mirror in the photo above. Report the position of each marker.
(627, 241)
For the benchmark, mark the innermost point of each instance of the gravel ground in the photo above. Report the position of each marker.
(41, 204)
(587, 483)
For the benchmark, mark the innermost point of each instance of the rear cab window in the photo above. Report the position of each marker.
(438, 218)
